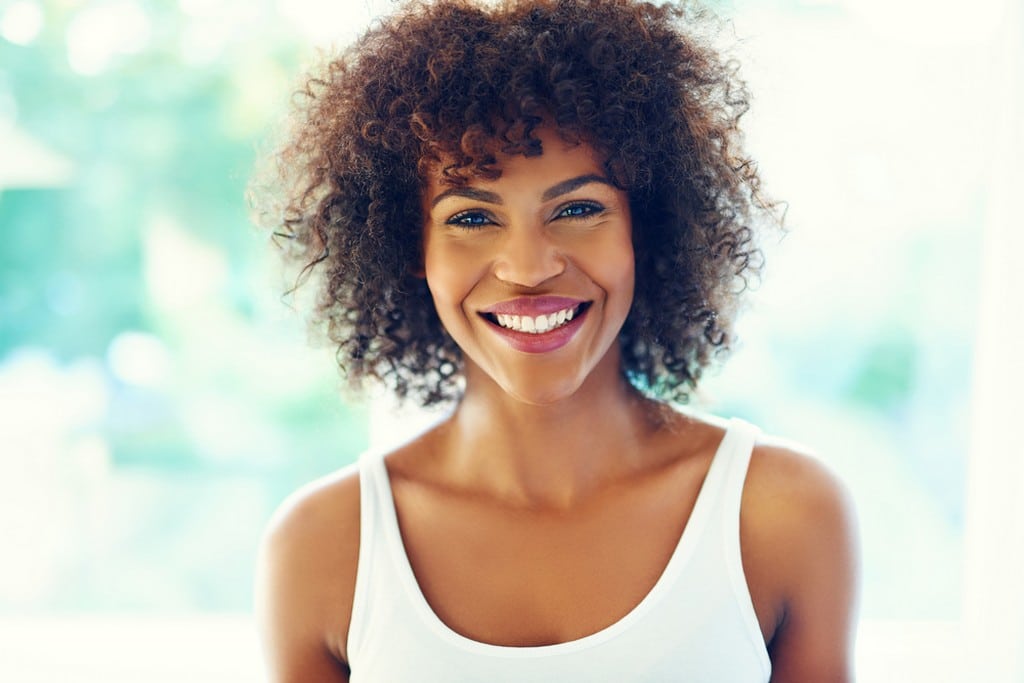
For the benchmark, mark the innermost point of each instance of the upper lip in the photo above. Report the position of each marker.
(533, 305)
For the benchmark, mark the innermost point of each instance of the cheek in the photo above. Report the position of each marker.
(616, 269)
(442, 284)
(626, 282)
(450, 277)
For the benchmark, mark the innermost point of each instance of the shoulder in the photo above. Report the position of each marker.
(794, 493)
(790, 495)
(327, 506)
(306, 574)
(798, 532)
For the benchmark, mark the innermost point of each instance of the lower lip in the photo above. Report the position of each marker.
(543, 342)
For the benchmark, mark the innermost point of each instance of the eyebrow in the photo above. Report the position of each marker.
(470, 192)
(567, 186)
(557, 190)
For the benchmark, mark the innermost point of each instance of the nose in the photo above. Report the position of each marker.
(528, 256)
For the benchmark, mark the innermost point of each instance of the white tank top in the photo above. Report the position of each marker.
(697, 624)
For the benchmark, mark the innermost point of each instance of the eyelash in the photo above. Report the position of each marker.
(469, 219)
(474, 219)
(590, 209)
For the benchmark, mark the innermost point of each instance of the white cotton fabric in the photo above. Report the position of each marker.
(697, 624)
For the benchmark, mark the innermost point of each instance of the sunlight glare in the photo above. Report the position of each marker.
(180, 271)
(21, 23)
(139, 358)
(98, 34)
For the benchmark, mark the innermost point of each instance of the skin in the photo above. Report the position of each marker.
(524, 486)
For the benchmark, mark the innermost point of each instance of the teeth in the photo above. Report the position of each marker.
(542, 323)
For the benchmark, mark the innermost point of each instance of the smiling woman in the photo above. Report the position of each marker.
(541, 213)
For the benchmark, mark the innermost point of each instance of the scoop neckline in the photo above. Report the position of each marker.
(681, 554)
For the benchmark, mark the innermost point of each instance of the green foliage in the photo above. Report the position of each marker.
(151, 240)
(885, 379)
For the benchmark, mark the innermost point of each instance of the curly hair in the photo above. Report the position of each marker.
(459, 81)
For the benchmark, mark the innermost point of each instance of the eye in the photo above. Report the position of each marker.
(579, 210)
(469, 219)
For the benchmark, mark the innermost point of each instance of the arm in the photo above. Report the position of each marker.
(810, 529)
(304, 584)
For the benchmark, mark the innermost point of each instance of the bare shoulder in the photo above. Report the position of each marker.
(306, 580)
(794, 481)
(326, 507)
(798, 531)
(794, 501)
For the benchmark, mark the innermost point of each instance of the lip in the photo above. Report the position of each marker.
(541, 342)
(533, 305)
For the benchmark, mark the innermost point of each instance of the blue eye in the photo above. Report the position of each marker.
(469, 219)
(579, 210)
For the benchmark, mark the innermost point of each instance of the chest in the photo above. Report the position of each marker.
(526, 577)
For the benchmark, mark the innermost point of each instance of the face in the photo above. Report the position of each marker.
(532, 273)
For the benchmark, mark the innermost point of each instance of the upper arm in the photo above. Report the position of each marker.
(807, 519)
(305, 581)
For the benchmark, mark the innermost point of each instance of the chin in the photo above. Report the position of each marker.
(542, 394)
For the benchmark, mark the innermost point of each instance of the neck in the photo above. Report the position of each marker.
(550, 455)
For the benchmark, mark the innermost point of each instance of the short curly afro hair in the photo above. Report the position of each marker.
(459, 81)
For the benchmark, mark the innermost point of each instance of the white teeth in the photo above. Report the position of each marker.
(542, 323)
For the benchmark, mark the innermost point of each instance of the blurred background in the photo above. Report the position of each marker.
(158, 397)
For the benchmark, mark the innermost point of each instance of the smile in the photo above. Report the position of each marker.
(538, 324)
(537, 331)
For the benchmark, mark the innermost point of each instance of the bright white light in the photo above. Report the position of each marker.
(92, 458)
(26, 162)
(199, 8)
(39, 397)
(327, 23)
(212, 24)
(42, 407)
(181, 271)
(223, 430)
(98, 34)
(139, 358)
(202, 42)
(930, 22)
(21, 23)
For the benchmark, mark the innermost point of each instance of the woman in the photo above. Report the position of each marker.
(540, 212)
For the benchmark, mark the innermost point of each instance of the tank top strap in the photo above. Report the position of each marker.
(371, 478)
(737, 449)
(719, 497)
